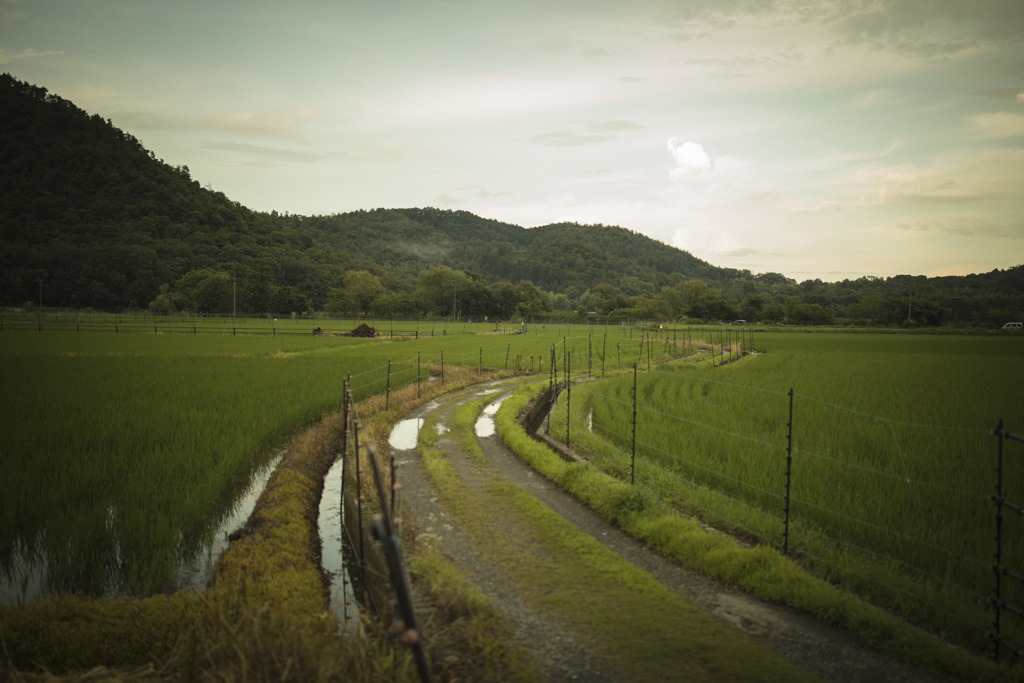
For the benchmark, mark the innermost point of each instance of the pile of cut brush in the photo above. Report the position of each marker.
(363, 330)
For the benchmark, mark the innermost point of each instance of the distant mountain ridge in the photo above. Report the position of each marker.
(90, 218)
(556, 258)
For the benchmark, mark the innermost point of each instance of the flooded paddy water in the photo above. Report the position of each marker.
(27, 574)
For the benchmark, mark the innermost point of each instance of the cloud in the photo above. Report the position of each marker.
(466, 193)
(276, 123)
(596, 133)
(1005, 94)
(820, 207)
(962, 225)
(9, 16)
(936, 186)
(29, 53)
(1020, 98)
(747, 65)
(931, 29)
(259, 155)
(567, 138)
(877, 98)
(997, 124)
(690, 159)
(925, 29)
(616, 126)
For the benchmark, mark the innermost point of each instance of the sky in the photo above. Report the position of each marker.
(827, 139)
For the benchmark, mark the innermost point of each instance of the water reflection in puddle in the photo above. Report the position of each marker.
(403, 435)
(484, 426)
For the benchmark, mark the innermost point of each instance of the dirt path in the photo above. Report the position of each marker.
(560, 649)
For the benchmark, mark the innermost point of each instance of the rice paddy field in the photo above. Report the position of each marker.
(126, 439)
(892, 468)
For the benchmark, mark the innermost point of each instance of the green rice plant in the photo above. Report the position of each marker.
(892, 458)
(123, 451)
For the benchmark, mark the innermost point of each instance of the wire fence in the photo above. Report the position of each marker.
(900, 511)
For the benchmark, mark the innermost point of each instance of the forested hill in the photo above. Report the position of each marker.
(562, 258)
(91, 213)
(90, 218)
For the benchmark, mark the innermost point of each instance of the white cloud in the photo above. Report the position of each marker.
(1020, 98)
(962, 225)
(568, 138)
(997, 124)
(819, 207)
(690, 159)
(29, 53)
(280, 123)
(877, 98)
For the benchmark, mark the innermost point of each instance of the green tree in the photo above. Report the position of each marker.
(752, 307)
(163, 304)
(437, 288)
(362, 289)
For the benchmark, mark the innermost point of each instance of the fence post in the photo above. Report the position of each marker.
(568, 395)
(508, 351)
(418, 374)
(344, 413)
(384, 531)
(997, 566)
(387, 388)
(442, 366)
(789, 462)
(359, 503)
(604, 350)
(481, 361)
(632, 456)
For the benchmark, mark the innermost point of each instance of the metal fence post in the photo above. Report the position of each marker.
(632, 457)
(997, 566)
(359, 503)
(568, 395)
(789, 462)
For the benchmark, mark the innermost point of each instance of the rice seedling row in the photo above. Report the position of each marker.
(892, 458)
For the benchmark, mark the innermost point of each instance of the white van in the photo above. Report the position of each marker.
(1013, 326)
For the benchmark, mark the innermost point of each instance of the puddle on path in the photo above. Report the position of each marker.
(484, 426)
(403, 435)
